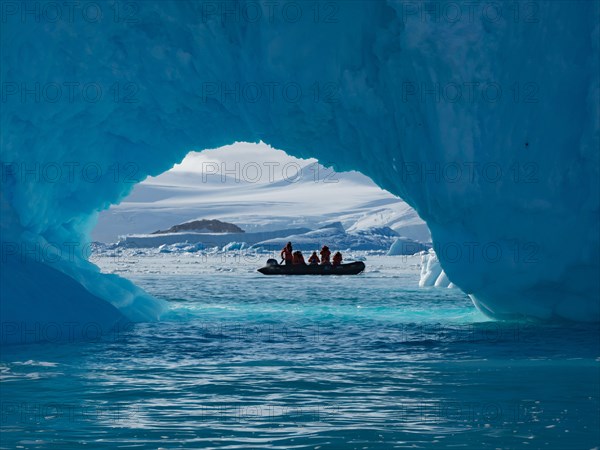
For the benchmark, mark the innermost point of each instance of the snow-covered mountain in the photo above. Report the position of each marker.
(335, 236)
(259, 189)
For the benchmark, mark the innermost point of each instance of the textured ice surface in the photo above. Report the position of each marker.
(43, 294)
(432, 273)
(165, 78)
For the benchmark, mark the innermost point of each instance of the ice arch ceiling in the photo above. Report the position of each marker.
(486, 123)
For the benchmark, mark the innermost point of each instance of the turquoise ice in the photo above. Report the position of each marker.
(486, 123)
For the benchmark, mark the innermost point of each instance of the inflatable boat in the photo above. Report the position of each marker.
(274, 268)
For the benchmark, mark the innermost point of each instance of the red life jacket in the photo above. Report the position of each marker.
(286, 254)
(298, 259)
(337, 259)
(325, 254)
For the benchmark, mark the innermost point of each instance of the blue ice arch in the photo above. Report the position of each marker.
(485, 118)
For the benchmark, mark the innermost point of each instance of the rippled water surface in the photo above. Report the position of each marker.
(244, 361)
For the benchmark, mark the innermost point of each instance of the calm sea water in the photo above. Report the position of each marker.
(244, 361)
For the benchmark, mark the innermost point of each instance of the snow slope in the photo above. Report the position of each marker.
(337, 238)
(503, 174)
(259, 189)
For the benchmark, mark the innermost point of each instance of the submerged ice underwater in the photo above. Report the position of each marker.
(512, 169)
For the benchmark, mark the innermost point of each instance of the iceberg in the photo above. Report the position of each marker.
(487, 126)
(58, 308)
(405, 246)
(432, 274)
(205, 239)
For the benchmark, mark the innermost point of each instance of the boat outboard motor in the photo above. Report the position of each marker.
(272, 262)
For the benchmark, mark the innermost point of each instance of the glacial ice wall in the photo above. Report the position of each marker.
(483, 117)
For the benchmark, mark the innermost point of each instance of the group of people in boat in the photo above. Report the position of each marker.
(296, 258)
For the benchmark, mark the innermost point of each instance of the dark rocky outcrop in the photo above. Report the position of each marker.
(203, 226)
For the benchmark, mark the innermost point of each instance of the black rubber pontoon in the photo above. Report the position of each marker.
(274, 268)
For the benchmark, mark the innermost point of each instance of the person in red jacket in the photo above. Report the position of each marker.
(314, 259)
(337, 259)
(325, 254)
(298, 258)
(286, 254)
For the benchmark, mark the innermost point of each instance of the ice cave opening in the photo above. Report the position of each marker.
(506, 177)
